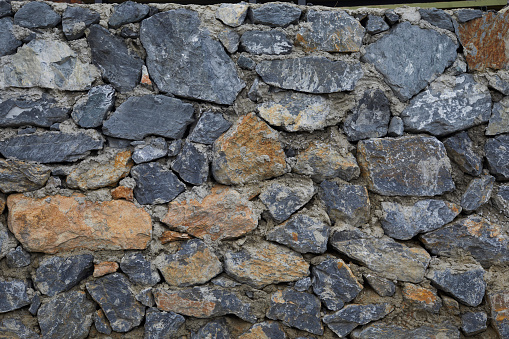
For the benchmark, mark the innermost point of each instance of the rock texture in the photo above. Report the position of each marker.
(22, 176)
(43, 112)
(150, 190)
(497, 154)
(275, 14)
(90, 112)
(265, 42)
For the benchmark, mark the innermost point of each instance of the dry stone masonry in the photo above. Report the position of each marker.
(253, 171)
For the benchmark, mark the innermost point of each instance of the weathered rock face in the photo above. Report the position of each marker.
(438, 18)
(473, 323)
(214, 329)
(460, 149)
(139, 270)
(7, 241)
(497, 154)
(105, 267)
(155, 184)
(43, 112)
(155, 149)
(421, 298)
(275, 15)
(128, 12)
(499, 121)
(376, 24)
(16, 329)
(91, 111)
(477, 193)
(17, 258)
(160, 325)
(383, 287)
(56, 224)
(265, 42)
(265, 330)
(192, 164)
(499, 305)
(345, 203)
(232, 15)
(13, 295)
(76, 19)
(230, 40)
(21, 176)
(385, 331)
(9, 44)
(175, 44)
(209, 127)
(353, 315)
(36, 15)
(501, 199)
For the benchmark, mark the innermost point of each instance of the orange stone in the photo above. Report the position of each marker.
(422, 297)
(499, 305)
(174, 301)
(105, 267)
(249, 151)
(170, 236)
(262, 331)
(122, 192)
(222, 214)
(57, 224)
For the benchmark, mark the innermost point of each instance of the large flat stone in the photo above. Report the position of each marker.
(275, 14)
(497, 154)
(21, 176)
(36, 15)
(43, 112)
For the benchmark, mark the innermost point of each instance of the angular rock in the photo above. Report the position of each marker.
(90, 112)
(473, 323)
(296, 309)
(404, 222)
(170, 236)
(155, 184)
(265, 330)
(204, 302)
(249, 151)
(75, 21)
(422, 298)
(13, 295)
(139, 117)
(477, 193)
(161, 325)
(112, 293)
(301, 74)
(391, 16)
(275, 14)
(57, 224)
(193, 264)
(405, 166)
(175, 44)
(230, 40)
(334, 283)
(303, 284)
(105, 267)
(208, 128)
(499, 81)
(353, 315)
(8, 42)
(265, 264)
(370, 118)
(223, 281)
(7, 241)
(36, 15)
(498, 302)
(322, 161)
(35, 304)
(246, 63)
(448, 105)
(501, 199)
(383, 287)
(155, 149)
(465, 15)
(145, 297)
(497, 154)
(376, 24)
(460, 149)
(101, 322)
(119, 66)
(174, 147)
(499, 121)
(192, 164)
(14, 328)
(5, 8)
(431, 53)
(437, 17)
(387, 331)
(42, 113)
(21, 176)
(17, 258)
(139, 270)
(216, 329)
(266, 42)
(396, 127)
(232, 15)
(330, 31)
(346, 203)
(128, 12)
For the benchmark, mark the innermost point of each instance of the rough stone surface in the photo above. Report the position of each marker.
(128, 12)
(388, 331)
(161, 325)
(145, 297)
(7, 241)
(21, 112)
(192, 164)
(497, 154)
(265, 330)
(170, 236)
(101, 322)
(437, 17)
(216, 329)
(14, 328)
(245, 62)
(8, 42)
(139, 270)
(376, 24)
(265, 42)
(460, 149)
(232, 15)
(5, 8)
(499, 304)
(353, 315)
(155, 184)
(396, 127)
(477, 193)
(383, 287)
(499, 121)
(275, 15)
(75, 21)
(473, 323)
(209, 127)
(13, 295)
(501, 199)
(59, 223)
(405, 166)
(303, 284)
(230, 40)
(155, 149)
(346, 203)
(465, 15)
(105, 267)
(36, 15)
(391, 16)
(17, 258)
(175, 44)
(431, 53)
(499, 81)
(422, 298)
(21, 176)
(91, 111)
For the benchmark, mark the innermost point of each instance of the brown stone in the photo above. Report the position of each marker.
(222, 214)
(21, 176)
(170, 236)
(2, 203)
(122, 192)
(499, 305)
(57, 223)
(249, 151)
(485, 41)
(105, 267)
(422, 297)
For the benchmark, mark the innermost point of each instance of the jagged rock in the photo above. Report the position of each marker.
(192, 164)
(303, 284)
(17, 258)
(36, 15)
(346, 203)
(155, 149)
(460, 149)
(498, 302)
(161, 325)
(101, 322)
(391, 16)
(473, 323)
(128, 12)
(497, 154)
(35, 304)
(76, 20)
(501, 199)
(232, 15)
(254, 93)
(422, 298)
(21, 176)
(145, 297)
(7, 241)
(396, 127)
(126, 32)
(91, 111)
(353, 315)
(383, 287)
(14, 328)
(230, 40)
(465, 15)
(139, 269)
(387, 331)
(265, 330)
(170, 236)
(437, 17)
(275, 14)
(155, 184)
(376, 24)
(5, 8)
(245, 62)
(224, 281)
(216, 329)
(499, 121)
(43, 112)
(266, 42)
(208, 128)
(8, 42)
(477, 193)
(499, 81)
(13, 295)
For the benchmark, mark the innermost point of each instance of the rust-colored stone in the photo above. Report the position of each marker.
(122, 192)
(499, 305)
(422, 297)
(170, 236)
(57, 223)
(2, 203)
(104, 268)
(173, 301)
(222, 214)
(249, 151)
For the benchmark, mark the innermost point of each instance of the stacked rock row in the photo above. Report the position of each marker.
(253, 171)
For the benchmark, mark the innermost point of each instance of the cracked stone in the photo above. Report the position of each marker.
(473, 323)
(501, 199)
(230, 40)
(192, 164)
(232, 15)
(13, 295)
(387, 331)
(497, 154)
(155, 149)
(499, 121)
(161, 325)
(498, 302)
(376, 24)
(22, 176)
(42, 113)
(15, 328)
(422, 298)
(437, 17)
(128, 12)
(383, 287)
(101, 322)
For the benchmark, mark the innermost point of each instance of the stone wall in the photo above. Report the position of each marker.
(253, 171)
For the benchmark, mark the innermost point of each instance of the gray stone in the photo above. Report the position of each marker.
(128, 12)
(353, 315)
(376, 24)
(17, 258)
(370, 118)
(209, 127)
(346, 203)
(230, 40)
(60, 274)
(334, 283)
(216, 329)
(330, 31)
(13, 295)
(267, 329)
(174, 147)
(498, 304)
(387, 331)
(155, 149)
(8, 42)
(91, 111)
(303, 284)
(162, 325)
(254, 93)
(391, 16)
(21, 176)
(139, 270)
(499, 121)
(497, 154)
(145, 297)
(76, 20)
(421, 298)
(464, 15)
(68, 315)
(431, 53)
(473, 323)
(275, 14)
(404, 222)
(7, 241)
(245, 62)
(192, 164)
(112, 293)
(101, 323)
(43, 112)
(302, 233)
(35, 304)
(232, 15)
(460, 149)
(383, 287)
(448, 105)
(437, 17)
(119, 66)
(5, 8)
(265, 42)
(155, 184)
(300, 74)
(139, 117)
(396, 127)
(126, 32)
(484, 240)
(499, 81)
(49, 147)
(223, 281)
(27, 130)
(36, 15)
(501, 199)
(477, 193)
(175, 44)
(14, 328)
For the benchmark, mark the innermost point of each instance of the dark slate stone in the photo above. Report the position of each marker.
(192, 164)
(162, 325)
(14, 328)
(497, 154)
(155, 149)
(300, 74)
(431, 53)
(296, 309)
(376, 24)
(27, 130)
(43, 112)
(347, 203)
(303, 284)
(460, 149)
(119, 66)
(13, 295)
(112, 293)
(76, 19)
(437, 17)
(223, 281)
(145, 297)
(101, 323)
(128, 12)
(174, 147)
(465, 15)
(49, 147)
(139, 269)
(473, 323)
(139, 117)
(266, 42)
(7, 241)
(477, 193)
(391, 16)
(254, 93)
(334, 283)
(230, 40)
(59, 274)
(8, 42)
(91, 112)
(17, 258)
(35, 304)
(396, 127)
(68, 315)
(267, 329)
(209, 128)
(383, 287)
(175, 44)
(501, 199)
(353, 315)
(216, 329)
(302, 233)
(155, 184)
(126, 32)
(245, 62)
(274, 15)
(499, 120)
(442, 109)
(5, 8)
(36, 15)
(370, 118)
(387, 331)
